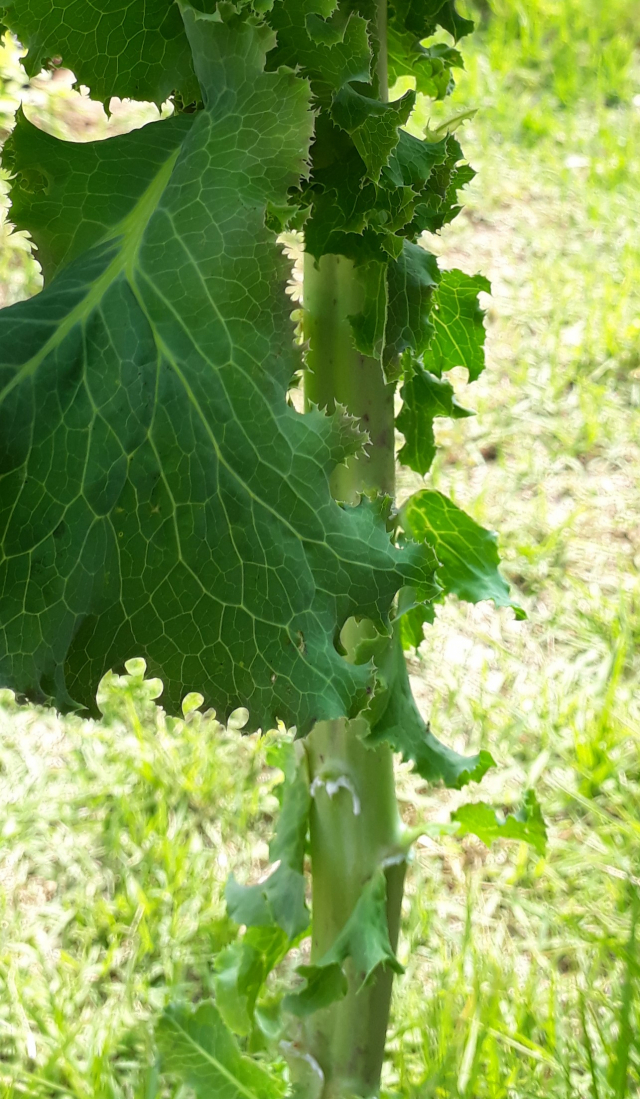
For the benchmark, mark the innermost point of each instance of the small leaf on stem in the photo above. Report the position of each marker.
(527, 824)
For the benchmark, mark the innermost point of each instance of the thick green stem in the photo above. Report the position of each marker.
(355, 823)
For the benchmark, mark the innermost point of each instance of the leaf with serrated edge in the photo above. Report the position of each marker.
(413, 160)
(424, 398)
(393, 718)
(450, 18)
(364, 938)
(158, 495)
(327, 55)
(241, 970)
(437, 205)
(198, 1047)
(467, 552)
(458, 322)
(132, 50)
(422, 17)
(413, 277)
(526, 825)
(280, 898)
(373, 125)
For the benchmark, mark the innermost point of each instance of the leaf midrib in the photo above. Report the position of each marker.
(130, 230)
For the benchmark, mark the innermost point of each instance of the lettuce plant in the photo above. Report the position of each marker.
(162, 496)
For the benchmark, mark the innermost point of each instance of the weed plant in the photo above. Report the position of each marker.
(522, 976)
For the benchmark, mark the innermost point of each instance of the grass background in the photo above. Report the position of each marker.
(522, 973)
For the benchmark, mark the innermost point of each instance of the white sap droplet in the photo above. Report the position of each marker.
(332, 785)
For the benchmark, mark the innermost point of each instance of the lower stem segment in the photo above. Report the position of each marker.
(355, 828)
(355, 825)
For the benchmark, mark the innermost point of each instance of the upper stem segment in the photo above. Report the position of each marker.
(339, 374)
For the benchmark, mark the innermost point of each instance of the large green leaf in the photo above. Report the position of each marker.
(467, 552)
(364, 938)
(134, 49)
(526, 825)
(158, 495)
(198, 1047)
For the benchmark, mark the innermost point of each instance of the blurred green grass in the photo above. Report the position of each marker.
(575, 49)
(522, 974)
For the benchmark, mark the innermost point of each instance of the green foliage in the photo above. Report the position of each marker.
(128, 489)
(242, 969)
(424, 397)
(458, 322)
(516, 1000)
(71, 196)
(526, 824)
(394, 718)
(412, 278)
(372, 125)
(331, 55)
